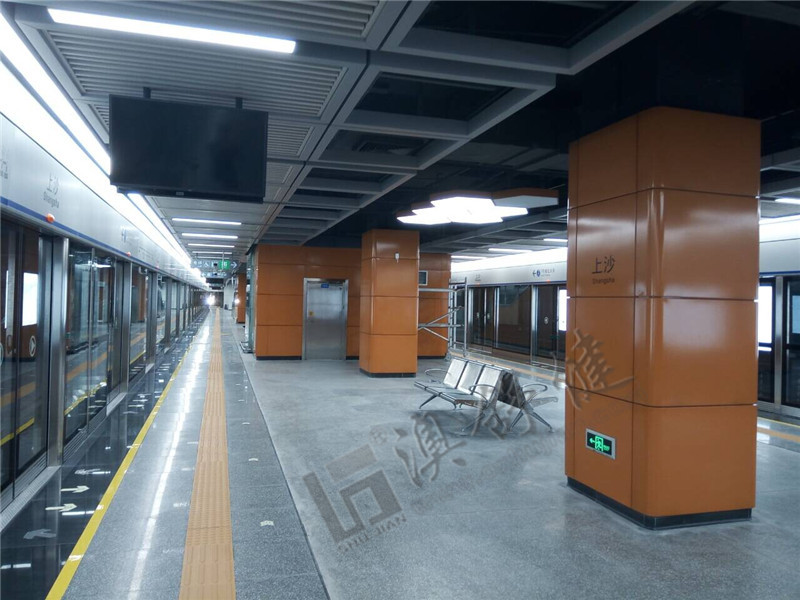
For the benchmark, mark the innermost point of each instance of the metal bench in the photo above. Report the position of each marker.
(483, 395)
(468, 377)
(452, 375)
(526, 398)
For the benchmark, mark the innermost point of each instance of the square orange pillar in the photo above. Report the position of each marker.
(389, 303)
(662, 281)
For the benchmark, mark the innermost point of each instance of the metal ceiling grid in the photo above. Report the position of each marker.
(104, 64)
(343, 48)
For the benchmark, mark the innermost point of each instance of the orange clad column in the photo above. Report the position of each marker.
(389, 303)
(241, 292)
(662, 279)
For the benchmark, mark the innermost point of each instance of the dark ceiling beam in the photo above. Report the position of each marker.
(323, 202)
(778, 188)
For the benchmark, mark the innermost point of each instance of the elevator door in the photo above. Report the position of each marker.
(325, 319)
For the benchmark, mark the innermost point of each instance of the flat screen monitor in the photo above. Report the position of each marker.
(188, 150)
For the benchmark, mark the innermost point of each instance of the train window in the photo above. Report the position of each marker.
(766, 359)
(765, 314)
(562, 309)
(30, 299)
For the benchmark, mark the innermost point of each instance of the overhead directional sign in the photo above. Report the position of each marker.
(220, 265)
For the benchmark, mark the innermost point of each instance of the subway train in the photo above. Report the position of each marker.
(515, 308)
(91, 293)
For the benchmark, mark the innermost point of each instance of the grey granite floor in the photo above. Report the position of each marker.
(496, 519)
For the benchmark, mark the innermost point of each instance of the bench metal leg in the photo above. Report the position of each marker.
(533, 413)
(482, 419)
(515, 421)
(428, 400)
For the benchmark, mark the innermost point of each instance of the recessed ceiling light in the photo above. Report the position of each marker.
(176, 32)
(211, 245)
(211, 236)
(204, 221)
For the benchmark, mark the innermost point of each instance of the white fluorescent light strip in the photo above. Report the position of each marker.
(15, 50)
(211, 236)
(205, 221)
(148, 212)
(454, 257)
(788, 200)
(211, 245)
(177, 32)
(554, 240)
(509, 251)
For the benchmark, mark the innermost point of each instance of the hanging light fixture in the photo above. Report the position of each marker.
(478, 208)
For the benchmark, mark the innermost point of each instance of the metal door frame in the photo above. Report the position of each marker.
(345, 286)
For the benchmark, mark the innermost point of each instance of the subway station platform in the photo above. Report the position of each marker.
(347, 491)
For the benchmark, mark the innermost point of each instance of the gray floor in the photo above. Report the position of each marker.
(492, 518)
(137, 552)
(497, 520)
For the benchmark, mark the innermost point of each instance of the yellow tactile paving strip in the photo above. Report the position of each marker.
(208, 553)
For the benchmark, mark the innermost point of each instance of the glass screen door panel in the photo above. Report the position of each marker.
(79, 298)
(546, 322)
(23, 353)
(766, 356)
(482, 330)
(792, 363)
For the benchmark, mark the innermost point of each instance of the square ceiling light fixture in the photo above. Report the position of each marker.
(478, 208)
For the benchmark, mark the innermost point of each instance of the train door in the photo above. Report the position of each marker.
(24, 361)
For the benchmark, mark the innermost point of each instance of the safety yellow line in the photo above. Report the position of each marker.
(74, 559)
(779, 422)
(780, 434)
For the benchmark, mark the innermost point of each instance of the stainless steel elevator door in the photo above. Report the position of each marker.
(325, 319)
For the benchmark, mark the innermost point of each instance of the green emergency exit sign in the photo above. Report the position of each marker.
(601, 444)
(224, 265)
